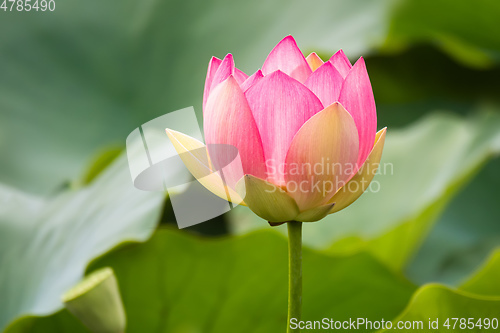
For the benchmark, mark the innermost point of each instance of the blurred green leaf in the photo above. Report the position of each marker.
(424, 76)
(47, 243)
(410, 85)
(79, 78)
(465, 234)
(467, 30)
(179, 283)
(485, 281)
(442, 303)
(90, 72)
(100, 162)
(58, 323)
(422, 169)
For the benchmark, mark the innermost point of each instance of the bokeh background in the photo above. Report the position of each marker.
(75, 82)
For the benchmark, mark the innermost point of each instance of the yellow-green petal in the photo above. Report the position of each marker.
(314, 214)
(267, 200)
(194, 155)
(351, 191)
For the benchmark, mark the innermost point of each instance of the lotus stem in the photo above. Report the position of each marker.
(294, 273)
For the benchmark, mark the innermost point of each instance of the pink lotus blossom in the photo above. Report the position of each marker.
(305, 130)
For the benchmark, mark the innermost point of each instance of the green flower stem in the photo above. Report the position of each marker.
(294, 273)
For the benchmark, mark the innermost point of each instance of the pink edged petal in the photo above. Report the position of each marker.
(287, 57)
(252, 80)
(225, 69)
(280, 106)
(314, 61)
(325, 83)
(213, 65)
(322, 157)
(240, 76)
(228, 120)
(340, 61)
(357, 185)
(357, 98)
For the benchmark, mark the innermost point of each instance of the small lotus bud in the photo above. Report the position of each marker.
(96, 302)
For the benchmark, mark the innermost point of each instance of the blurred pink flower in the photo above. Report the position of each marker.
(305, 130)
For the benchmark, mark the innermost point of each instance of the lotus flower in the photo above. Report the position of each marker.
(291, 121)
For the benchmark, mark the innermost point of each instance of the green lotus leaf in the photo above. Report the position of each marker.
(180, 283)
(454, 311)
(46, 244)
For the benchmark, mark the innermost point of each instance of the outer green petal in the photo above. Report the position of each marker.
(267, 200)
(314, 214)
